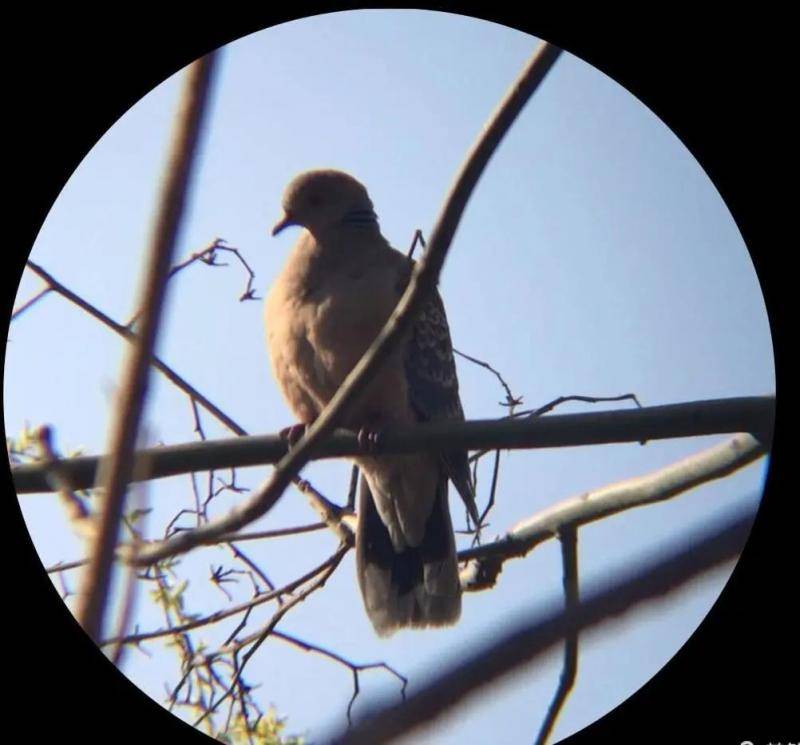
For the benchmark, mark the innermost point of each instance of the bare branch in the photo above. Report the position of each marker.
(196, 398)
(670, 425)
(245, 559)
(221, 615)
(492, 490)
(657, 575)
(713, 463)
(551, 405)
(64, 566)
(418, 238)
(116, 471)
(208, 256)
(257, 639)
(30, 302)
(351, 492)
(125, 332)
(256, 535)
(77, 512)
(574, 397)
(511, 400)
(569, 558)
(355, 668)
(331, 514)
(129, 594)
(720, 416)
(260, 535)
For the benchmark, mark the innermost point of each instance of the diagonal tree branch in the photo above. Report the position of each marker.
(125, 332)
(30, 302)
(318, 501)
(422, 283)
(656, 575)
(485, 562)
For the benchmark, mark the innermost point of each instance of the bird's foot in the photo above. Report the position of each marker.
(369, 439)
(293, 434)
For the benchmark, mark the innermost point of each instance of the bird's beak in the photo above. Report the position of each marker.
(284, 222)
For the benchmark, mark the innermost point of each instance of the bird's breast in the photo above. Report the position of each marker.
(318, 332)
(346, 316)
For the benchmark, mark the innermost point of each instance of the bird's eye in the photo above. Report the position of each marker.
(315, 200)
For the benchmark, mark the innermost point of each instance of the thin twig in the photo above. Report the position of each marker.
(511, 400)
(417, 239)
(551, 405)
(493, 489)
(585, 399)
(208, 256)
(198, 424)
(129, 594)
(331, 514)
(173, 377)
(30, 302)
(257, 639)
(221, 615)
(64, 566)
(78, 513)
(195, 397)
(351, 492)
(569, 559)
(355, 668)
(257, 535)
(260, 535)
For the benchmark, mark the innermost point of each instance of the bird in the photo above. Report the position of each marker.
(337, 288)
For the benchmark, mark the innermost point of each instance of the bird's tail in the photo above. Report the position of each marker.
(418, 586)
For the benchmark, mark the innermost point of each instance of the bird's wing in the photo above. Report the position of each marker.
(433, 387)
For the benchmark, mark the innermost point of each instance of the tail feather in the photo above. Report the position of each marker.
(418, 586)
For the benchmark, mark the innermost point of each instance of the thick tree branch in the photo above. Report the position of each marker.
(656, 576)
(713, 463)
(485, 562)
(720, 416)
(117, 469)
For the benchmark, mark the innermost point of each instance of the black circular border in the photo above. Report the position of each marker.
(714, 80)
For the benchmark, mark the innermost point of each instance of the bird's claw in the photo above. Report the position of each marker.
(369, 439)
(293, 434)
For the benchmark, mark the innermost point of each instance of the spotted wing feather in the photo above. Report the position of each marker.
(433, 387)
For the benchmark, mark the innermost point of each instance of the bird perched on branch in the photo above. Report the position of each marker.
(336, 291)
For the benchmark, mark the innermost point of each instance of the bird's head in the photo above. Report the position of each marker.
(322, 199)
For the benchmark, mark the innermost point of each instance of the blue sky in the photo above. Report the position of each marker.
(595, 257)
